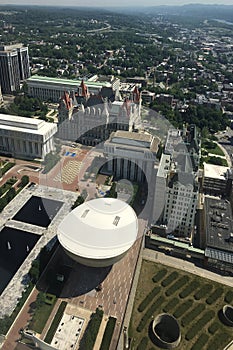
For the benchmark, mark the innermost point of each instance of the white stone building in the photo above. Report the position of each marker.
(131, 155)
(176, 184)
(26, 137)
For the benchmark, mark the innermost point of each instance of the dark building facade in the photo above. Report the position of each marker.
(14, 67)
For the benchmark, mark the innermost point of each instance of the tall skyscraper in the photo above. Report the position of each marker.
(14, 67)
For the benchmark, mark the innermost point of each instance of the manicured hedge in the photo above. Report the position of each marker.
(189, 289)
(107, 337)
(177, 285)
(142, 345)
(171, 305)
(229, 297)
(159, 275)
(181, 309)
(213, 328)
(7, 167)
(199, 324)
(90, 334)
(218, 341)
(149, 313)
(192, 314)
(169, 279)
(212, 298)
(55, 323)
(148, 299)
(201, 293)
(200, 343)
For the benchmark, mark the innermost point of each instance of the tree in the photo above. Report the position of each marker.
(40, 300)
(79, 200)
(10, 194)
(24, 180)
(3, 203)
(34, 271)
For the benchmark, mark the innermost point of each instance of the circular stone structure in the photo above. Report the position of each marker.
(99, 232)
(166, 331)
(228, 314)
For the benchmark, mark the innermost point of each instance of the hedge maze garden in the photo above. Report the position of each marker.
(194, 301)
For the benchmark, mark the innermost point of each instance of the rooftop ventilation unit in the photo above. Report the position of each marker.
(116, 220)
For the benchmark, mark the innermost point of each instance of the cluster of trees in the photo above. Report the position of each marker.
(148, 299)
(171, 305)
(201, 293)
(149, 313)
(25, 106)
(169, 279)
(39, 264)
(189, 289)
(177, 285)
(10, 194)
(192, 314)
(202, 116)
(182, 308)
(200, 324)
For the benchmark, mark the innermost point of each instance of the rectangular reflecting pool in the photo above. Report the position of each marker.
(15, 245)
(38, 211)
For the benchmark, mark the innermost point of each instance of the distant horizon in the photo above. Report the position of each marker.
(106, 4)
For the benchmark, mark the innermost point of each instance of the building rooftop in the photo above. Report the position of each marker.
(219, 224)
(142, 140)
(22, 124)
(99, 229)
(132, 135)
(58, 81)
(215, 171)
(164, 165)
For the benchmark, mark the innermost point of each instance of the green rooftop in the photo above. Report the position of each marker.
(76, 83)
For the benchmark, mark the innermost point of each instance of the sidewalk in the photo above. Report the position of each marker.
(21, 321)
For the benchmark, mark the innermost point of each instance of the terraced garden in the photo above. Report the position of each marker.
(194, 301)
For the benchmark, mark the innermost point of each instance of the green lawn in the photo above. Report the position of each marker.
(214, 149)
(41, 316)
(193, 300)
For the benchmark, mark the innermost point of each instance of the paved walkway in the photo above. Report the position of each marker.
(228, 158)
(20, 322)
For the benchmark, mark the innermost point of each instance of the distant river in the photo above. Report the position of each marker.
(223, 21)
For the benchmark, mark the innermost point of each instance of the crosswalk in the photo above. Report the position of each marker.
(69, 172)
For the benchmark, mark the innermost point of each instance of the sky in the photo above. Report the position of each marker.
(107, 3)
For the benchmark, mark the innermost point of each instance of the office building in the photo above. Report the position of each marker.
(219, 232)
(217, 180)
(14, 67)
(52, 89)
(176, 184)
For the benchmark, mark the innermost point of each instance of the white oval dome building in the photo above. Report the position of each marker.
(99, 232)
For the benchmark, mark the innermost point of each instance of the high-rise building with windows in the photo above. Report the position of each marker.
(176, 187)
(14, 67)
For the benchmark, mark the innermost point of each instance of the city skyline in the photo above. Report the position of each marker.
(121, 3)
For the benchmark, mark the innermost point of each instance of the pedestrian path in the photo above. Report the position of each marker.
(69, 172)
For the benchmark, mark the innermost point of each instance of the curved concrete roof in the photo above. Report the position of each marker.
(99, 229)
